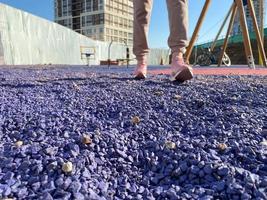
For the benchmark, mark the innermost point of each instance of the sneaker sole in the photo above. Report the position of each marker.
(140, 76)
(183, 75)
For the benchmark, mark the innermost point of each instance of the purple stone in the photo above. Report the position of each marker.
(36, 186)
(67, 183)
(9, 175)
(22, 193)
(47, 196)
(75, 187)
(195, 169)
(86, 173)
(50, 186)
(103, 186)
(208, 169)
(184, 166)
(158, 190)
(223, 171)
(61, 194)
(141, 189)
(52, 166)
(59, 182)
(93, 195)
(219, 186)
(79, 196)
(5, 190)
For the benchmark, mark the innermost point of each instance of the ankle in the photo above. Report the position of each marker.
(178, 59)
(178, 55)
(141, 60)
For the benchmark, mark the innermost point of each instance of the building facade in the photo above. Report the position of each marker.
(258, 10)
(104, 20)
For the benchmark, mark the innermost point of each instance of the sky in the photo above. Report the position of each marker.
(159, 27)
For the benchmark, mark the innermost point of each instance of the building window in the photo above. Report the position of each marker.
(88, 5)
(95, 5)
(88, 20)
(83, 21)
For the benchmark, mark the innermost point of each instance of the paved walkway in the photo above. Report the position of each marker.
(234, 70)
(154, 70)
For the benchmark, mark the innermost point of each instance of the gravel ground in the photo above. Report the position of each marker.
(75, 134)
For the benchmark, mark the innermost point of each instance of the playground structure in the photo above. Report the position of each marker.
(237, 6)
(120, 61)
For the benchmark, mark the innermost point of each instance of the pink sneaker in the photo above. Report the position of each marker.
(181, 72)
(141, 69)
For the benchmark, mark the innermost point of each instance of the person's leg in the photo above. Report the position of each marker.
(142, 12)
(178, 22)
(178, 39)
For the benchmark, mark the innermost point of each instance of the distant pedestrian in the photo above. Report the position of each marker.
(178, 23)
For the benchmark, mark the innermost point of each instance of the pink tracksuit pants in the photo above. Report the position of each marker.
(178, 23)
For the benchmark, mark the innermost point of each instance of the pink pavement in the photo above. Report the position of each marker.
(218, 71)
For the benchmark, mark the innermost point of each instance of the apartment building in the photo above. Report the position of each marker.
(258, 10)
(104, 20)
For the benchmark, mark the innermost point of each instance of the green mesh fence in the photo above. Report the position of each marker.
(232, 40)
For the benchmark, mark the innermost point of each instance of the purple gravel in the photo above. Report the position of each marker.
(50, 110)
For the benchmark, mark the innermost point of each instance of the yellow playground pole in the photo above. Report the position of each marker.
(261, 28)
